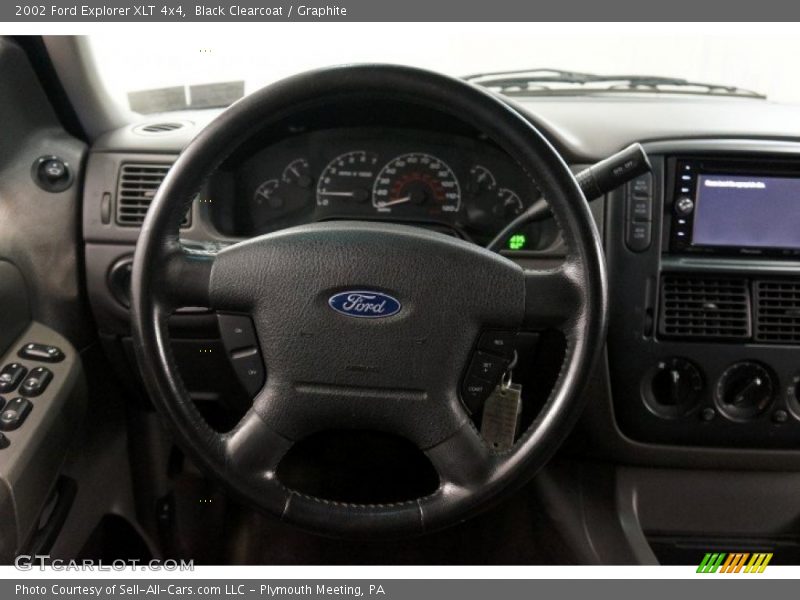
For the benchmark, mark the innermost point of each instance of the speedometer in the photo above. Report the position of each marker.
(416, 180)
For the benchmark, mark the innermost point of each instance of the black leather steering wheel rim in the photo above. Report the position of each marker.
(166, 275)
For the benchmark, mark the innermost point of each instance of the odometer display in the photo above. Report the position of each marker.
(416, 183)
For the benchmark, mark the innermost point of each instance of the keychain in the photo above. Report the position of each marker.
(502, 411)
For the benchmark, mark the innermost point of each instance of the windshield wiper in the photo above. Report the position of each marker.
(551, 82)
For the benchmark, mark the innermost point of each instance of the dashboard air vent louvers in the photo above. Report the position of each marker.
(777, 311)
(160, 127)
(704, 307)
(137, 186)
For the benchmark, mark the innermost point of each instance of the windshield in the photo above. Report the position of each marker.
(187, 70)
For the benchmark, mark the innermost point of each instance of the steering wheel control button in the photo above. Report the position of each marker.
(36, 382)
(638, 235)
(237, 331)
(474, 392)
(250, 369)
(14, 413)
(41, 353)
(487, 366)
(498, 342)
(10, 377)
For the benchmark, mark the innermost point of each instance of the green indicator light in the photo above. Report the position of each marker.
(517, 242)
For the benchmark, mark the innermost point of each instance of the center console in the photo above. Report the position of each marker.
(704, 263)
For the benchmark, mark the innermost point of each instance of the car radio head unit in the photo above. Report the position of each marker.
(736, 207)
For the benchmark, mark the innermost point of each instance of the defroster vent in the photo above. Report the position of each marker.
(704, 307)
(137, 186)
(777, 311)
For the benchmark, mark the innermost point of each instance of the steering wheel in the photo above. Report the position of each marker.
(398, 374)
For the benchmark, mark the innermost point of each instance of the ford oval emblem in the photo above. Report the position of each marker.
(364, 304)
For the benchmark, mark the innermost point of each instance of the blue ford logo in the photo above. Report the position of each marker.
(364, 304)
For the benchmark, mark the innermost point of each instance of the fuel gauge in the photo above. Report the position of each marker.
(266, 194)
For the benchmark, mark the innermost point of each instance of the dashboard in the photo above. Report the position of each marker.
(700, 382)
(704, 330)
(465, 186)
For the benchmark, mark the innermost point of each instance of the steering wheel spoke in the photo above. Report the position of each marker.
(186, 276)
(254, 446)
(463, 460)
(553, 297)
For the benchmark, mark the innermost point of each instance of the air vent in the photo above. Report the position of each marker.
(160, 127)
(777, 311)
(704, 307)
(137, 187)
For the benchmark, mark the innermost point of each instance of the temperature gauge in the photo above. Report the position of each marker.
(509, 204)
(481, 181)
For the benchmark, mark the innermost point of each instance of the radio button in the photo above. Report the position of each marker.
(684, 206)
(638, 235)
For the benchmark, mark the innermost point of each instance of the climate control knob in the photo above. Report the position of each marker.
(745, 390)
(674, 388)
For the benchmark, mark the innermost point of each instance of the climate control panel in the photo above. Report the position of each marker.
(713, 396)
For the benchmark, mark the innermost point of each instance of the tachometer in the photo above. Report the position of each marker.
(416, 180)
(347, 178)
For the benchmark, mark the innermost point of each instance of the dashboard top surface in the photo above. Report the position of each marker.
(585, 129)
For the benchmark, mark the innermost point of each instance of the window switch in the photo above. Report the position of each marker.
(14, 413)
(10, 376)
(36, 382)
(41, 352)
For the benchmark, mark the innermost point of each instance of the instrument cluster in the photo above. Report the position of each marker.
(465, 185)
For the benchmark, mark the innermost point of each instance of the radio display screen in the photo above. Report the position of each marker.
(747, 211)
